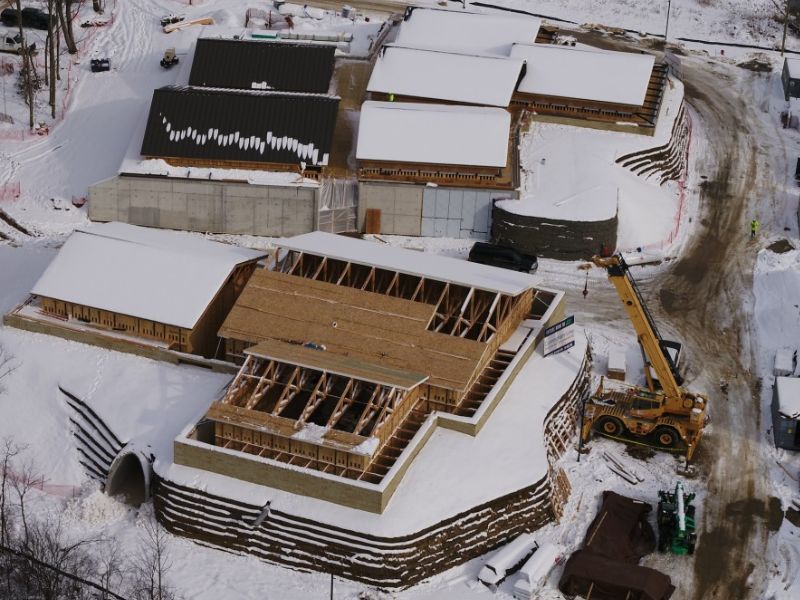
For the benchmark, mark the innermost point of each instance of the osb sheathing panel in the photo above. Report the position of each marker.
(372, 327)
(335, 363)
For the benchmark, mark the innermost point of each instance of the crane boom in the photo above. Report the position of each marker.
(646, 330)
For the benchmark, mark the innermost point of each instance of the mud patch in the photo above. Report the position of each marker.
(670, 301)
(780, 247)
(642, 453)
(774, 514)
(716, 548)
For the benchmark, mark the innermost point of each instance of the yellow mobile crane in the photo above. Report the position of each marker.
(670, 417)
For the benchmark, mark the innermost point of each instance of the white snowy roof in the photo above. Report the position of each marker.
(152, 274)
(793, 65)
(590, 74)
(411, 262)
(789, 396)
(459, 30)
(433, 133)
(443, 75)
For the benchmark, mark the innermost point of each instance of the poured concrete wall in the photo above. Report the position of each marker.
(208, 206)
(432, 211)
(400, 206)
(552, 238)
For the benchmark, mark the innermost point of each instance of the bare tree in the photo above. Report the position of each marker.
(110, 573)
(27, 65)
(54, 566)
(150, 565)
(64, 9)
(52, 47)
(23, 482)
(8, 451)
(7, 365)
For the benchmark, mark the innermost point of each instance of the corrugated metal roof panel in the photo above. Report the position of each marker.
(262, 65)
(244, 126)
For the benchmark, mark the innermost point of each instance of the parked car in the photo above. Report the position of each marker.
(503, 257)
(100, 64)
(13, 43)
(35, 18)
(507, 560)
(535, 571)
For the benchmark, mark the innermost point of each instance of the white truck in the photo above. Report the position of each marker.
(12, 43)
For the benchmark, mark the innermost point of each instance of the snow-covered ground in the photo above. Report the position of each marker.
(570, 173)
(89, 144)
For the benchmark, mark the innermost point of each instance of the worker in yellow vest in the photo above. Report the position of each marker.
(754, 225)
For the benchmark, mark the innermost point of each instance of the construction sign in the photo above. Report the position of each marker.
(559, 337)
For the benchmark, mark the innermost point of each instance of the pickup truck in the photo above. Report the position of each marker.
(13, 43)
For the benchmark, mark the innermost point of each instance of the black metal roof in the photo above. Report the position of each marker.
(247, 64)
(237, 125)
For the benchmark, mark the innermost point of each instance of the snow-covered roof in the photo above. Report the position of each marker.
(793, 66)
(152, 274)
(789, 396)
(590, 74)
(433, 133)
(459, 30)
(411, 262)
(443, 75)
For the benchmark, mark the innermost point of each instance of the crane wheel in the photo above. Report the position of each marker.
(610, 426)
(667, 437)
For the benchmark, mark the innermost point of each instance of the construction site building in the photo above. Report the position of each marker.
(347, 347)
(138, 283)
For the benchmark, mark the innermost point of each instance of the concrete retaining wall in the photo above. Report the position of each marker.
(434, 211)
(207, 206)
(552, 238)
(388, 562)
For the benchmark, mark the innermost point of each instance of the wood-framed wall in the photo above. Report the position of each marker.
(201, 339)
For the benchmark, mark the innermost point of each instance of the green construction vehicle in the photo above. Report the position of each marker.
(676, 525)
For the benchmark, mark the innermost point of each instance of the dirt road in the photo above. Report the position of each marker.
(707, 298)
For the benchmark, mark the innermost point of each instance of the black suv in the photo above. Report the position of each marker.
(31, 17)
(503, 257)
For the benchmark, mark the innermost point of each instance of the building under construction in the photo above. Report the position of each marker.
(346, 348)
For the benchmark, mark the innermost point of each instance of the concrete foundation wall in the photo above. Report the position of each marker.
(208, 206)
(433, 211)
(552, 238)
(400, 206)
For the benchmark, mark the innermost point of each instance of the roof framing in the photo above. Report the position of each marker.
(460, 310)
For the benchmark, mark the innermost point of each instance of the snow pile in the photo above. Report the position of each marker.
(98, 508)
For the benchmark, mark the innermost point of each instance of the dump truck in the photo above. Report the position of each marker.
(664, 416)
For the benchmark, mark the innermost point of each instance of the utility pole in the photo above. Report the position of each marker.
(666, 29)
(785, 26)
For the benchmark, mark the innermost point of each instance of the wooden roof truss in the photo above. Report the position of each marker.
(308, 395)
(462, 311)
